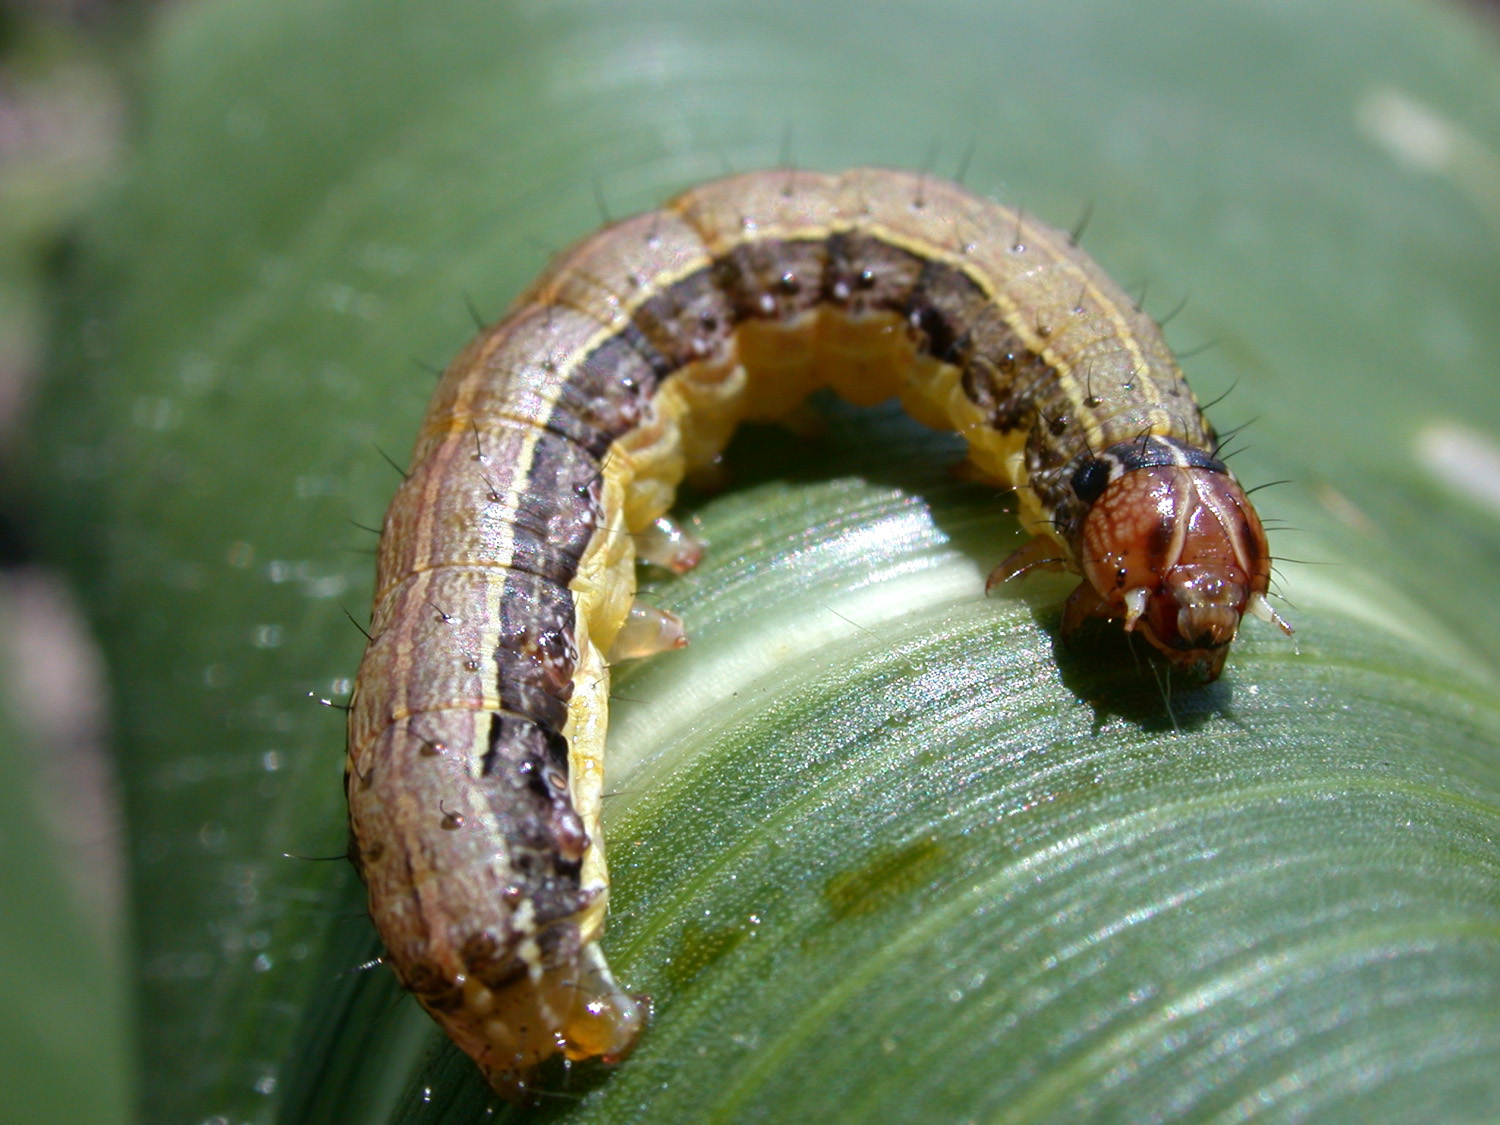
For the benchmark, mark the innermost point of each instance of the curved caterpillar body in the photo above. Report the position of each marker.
(555, 442)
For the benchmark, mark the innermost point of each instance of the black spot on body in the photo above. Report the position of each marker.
(937, 336)
(1091, 479)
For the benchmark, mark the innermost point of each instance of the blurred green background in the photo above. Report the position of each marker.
(880, 850)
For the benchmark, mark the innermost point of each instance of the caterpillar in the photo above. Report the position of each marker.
(548, 460)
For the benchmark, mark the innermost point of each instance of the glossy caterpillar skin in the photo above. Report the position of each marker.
(556, 441)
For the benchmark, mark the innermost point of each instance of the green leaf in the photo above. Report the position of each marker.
(64, 987)
(881, 847)
(62, 991)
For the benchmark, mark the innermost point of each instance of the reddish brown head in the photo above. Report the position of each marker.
(1178, 553)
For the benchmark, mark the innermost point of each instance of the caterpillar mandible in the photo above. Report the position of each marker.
(551, 453)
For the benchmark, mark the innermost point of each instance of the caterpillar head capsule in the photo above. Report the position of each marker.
(1179, 554)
